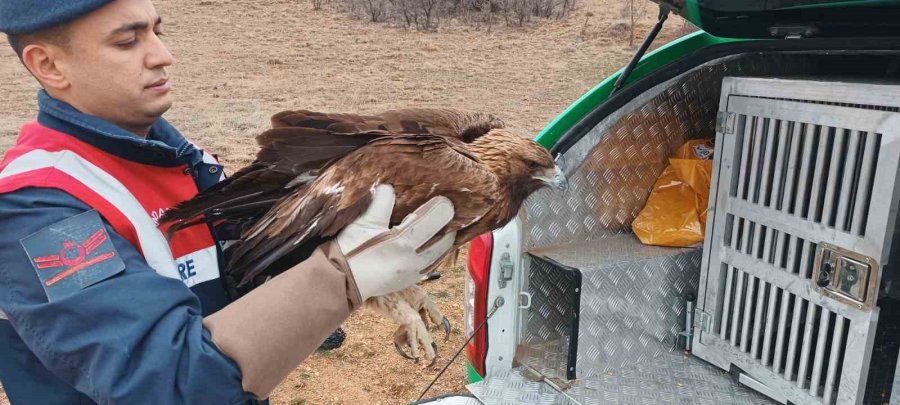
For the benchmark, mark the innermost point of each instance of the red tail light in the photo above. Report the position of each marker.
(479, 269)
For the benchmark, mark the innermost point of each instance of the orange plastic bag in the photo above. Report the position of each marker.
(675, 212)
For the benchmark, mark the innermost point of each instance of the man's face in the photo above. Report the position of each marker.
(116, 65)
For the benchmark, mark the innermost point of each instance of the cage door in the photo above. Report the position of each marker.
(804, 206)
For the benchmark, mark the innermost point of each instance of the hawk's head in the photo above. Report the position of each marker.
(522, 163)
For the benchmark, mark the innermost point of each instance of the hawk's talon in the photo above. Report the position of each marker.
(414, 311)
(445, 325)
(403, 352)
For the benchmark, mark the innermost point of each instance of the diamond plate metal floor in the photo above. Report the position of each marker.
(515, 388)
(606, 252)
(673, 378)
(631, 302)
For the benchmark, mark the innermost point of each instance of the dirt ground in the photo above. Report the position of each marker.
(240, 61)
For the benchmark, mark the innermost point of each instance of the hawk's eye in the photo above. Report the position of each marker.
(533, 166)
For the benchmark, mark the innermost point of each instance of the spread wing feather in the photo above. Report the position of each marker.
(418, 166)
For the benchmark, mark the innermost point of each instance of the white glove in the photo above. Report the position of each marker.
(385, 260)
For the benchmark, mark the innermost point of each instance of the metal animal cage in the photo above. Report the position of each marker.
(804, 201)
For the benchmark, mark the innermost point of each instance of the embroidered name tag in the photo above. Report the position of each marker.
(72, 254)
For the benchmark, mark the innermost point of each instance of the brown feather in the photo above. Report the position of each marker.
(303, 142)
(414, 164)
(322, 168)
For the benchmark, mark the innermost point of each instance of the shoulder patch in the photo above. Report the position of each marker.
(72, 254)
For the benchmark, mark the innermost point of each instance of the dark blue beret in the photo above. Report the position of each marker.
(27, 16)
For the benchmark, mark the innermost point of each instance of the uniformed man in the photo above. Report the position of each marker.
(96, 305)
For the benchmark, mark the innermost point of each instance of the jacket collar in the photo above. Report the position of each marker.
(164, 146)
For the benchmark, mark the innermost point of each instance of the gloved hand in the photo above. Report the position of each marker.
(384, 260)
(269, 331)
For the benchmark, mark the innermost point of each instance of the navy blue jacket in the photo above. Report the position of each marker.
(134, 338)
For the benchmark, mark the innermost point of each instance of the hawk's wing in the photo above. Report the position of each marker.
(418, 166)
(301, 143)
(465, 125)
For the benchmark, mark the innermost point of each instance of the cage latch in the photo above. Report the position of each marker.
(846, 276)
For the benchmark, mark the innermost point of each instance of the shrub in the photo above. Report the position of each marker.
(425, 15)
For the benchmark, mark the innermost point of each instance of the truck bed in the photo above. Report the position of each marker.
(617, 305)
(672, 378)
(603, 311)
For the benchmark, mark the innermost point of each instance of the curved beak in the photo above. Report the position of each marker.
(555, 178)
(560, 182)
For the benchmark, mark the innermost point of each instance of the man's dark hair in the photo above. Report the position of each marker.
(15, 41)
(58, 35)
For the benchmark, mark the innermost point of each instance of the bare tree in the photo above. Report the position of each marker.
(632, 16)
(406, 12)
(566, 7)
(317, 4)
(521, 11)
(488, 17)
(587, 17)
(375, 9)
(635, 12)
(430, 12)
(426, 15)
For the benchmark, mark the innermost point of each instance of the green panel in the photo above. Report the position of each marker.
(754, 18)
(472, 375)
(691, 12)
(651, 62)
(850, 3)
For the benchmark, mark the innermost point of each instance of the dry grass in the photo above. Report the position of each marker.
(368, 370)
(239, 61)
